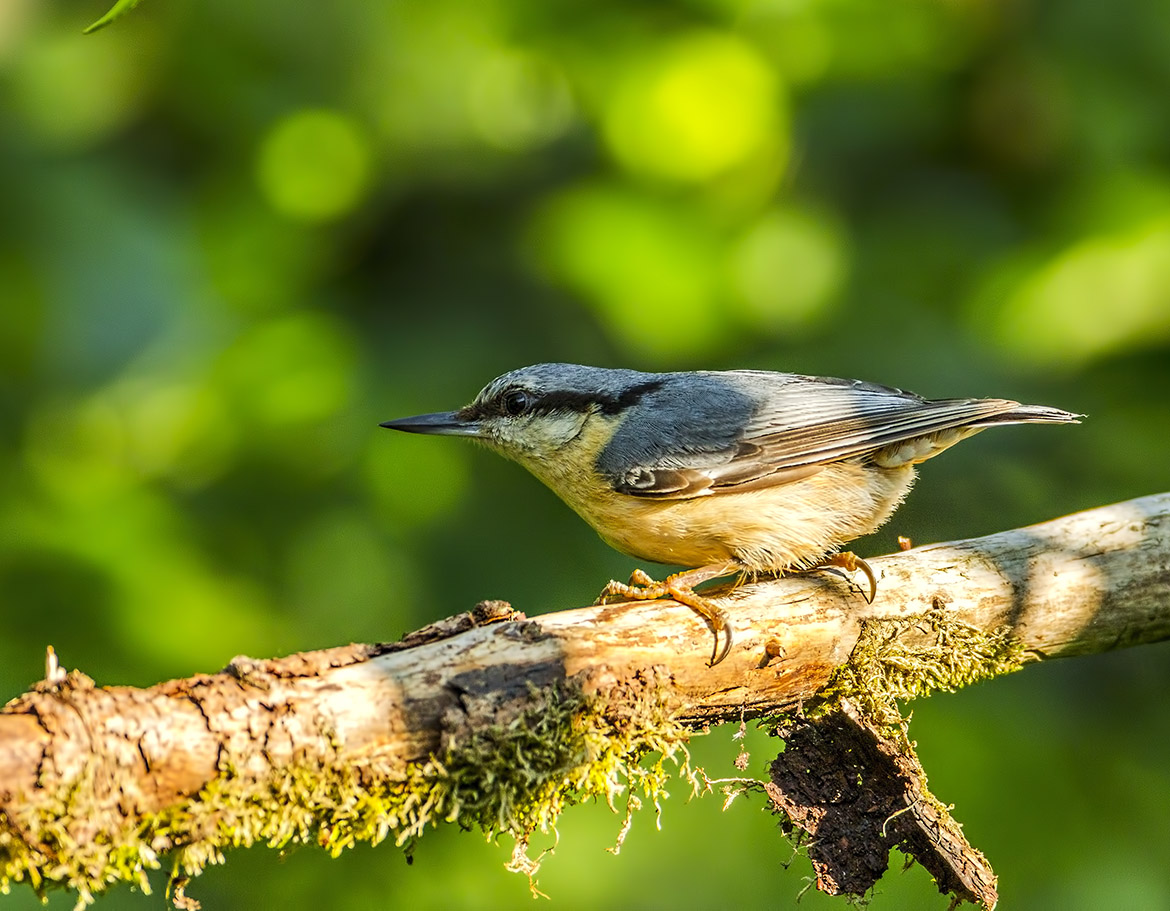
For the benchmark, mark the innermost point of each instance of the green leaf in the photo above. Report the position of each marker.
(117, 11)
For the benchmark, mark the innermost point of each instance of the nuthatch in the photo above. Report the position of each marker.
(743, 471)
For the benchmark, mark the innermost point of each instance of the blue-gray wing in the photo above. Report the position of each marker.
(743, 430)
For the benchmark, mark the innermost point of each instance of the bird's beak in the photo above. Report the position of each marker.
(444, 423)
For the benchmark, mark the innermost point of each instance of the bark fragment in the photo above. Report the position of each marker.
(858, 792)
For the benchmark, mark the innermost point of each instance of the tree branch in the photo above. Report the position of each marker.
(492, 719)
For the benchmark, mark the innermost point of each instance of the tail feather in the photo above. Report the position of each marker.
(1030, 414)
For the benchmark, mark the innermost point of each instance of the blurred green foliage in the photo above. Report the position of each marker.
(235, 236)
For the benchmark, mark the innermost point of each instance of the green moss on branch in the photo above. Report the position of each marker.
(914, 656)
(513, 775)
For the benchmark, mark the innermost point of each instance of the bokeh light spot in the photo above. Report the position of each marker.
(787, 268)
(314, 165)
(519, 102)
(291, 371)
(1103, 295)
(695, 108)
(176, 430)
(648, 267)
(73, 91)
(16, 17)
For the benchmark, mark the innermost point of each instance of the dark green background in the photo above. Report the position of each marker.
(237, 235)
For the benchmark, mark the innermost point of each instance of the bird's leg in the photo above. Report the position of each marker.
(679, 587)
(850, 562)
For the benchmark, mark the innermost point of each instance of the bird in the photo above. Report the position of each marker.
(747, 472)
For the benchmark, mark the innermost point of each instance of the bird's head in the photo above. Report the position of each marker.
(554, 419)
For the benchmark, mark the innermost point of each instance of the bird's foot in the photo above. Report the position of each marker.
(679, 587)
(640, 588)
(850, 562)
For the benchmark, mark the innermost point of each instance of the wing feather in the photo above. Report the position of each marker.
(798, 426)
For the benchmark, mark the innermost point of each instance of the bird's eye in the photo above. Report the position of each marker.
(517, 402)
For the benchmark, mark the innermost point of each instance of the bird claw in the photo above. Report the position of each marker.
(850, 562)
(678, 587)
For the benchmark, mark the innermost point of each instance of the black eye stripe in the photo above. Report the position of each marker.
(516, 401)
(586, 401)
